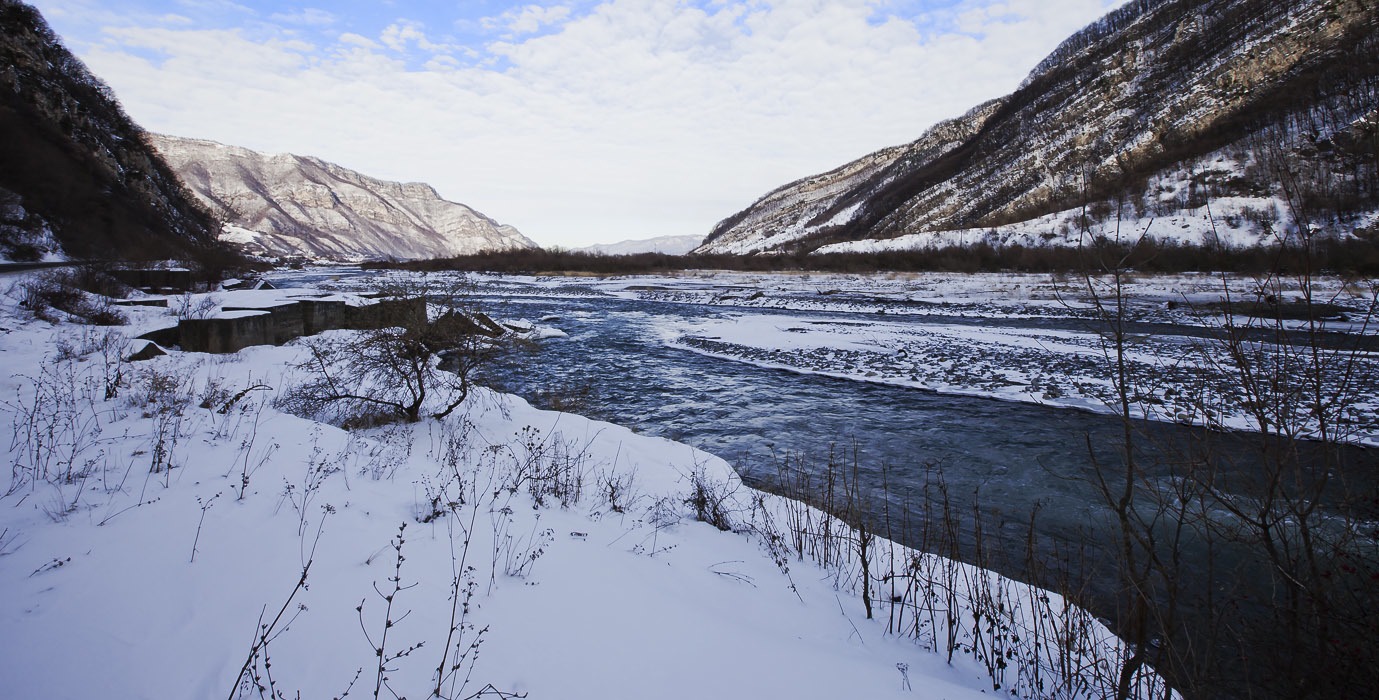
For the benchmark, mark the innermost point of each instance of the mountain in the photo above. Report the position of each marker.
(294, 205)
(77, 175)
(1157, 109)
(667, 245)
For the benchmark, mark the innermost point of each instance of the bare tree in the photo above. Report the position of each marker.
(1247, 561)
(1146, 532)
(413, 357)
(1303, 503)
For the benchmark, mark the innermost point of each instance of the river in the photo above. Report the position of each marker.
(672, 360)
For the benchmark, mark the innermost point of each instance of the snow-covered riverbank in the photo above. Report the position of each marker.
(158, 515)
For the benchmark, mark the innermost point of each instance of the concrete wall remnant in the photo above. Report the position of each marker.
(227, 332)
(157, 281)
(238, 327)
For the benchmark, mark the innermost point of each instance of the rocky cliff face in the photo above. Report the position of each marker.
(291, 205)
(77, 175)
(1225, 92)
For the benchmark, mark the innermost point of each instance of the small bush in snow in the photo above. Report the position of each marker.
(710, 498)
(193, 306)
(70, 293)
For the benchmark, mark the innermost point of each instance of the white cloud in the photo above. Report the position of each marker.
(403, 34)
(633, 119)
(363, 42)
(310, 17)
(528, 19)
(219, 5)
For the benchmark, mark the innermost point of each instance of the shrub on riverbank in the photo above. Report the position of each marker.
(1356, 256)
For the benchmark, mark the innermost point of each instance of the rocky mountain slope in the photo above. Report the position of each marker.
(77, 175)
(294, 205)
(1158, 108)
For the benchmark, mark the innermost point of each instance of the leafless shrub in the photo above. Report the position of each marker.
(618, 490)
(520, 553)
(163, 389)
(250, 456)
(389, 450)
(420, 365)
(7, 542)
(457, 492)
(112, 347)
(1031, 643)
(1299, 502)
(195, 306)
(711, 499)
(213, 394)
(46, 294)
(204, 505)
(57, 425)
(463, 490)
(663, 512)
(384, 656)
(256, 674)
(547, 465)
(300, 495)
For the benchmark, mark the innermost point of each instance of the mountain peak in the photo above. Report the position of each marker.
(287, 204)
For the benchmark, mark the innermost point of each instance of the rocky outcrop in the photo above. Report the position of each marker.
(290, 205)
(77, 175)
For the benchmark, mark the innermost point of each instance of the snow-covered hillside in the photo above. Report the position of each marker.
(1154, 92)
(286, 204)
(1232, 222)
(789, 214)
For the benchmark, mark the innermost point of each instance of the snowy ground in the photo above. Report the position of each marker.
(158, 515)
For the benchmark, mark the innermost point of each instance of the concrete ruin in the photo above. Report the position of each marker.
(239, 327)
(155, 281)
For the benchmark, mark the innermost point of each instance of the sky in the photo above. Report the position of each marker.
(577, 122)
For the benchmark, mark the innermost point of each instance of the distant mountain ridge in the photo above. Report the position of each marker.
(1160, 105)
(78, 177)
(666, 245)
(291, 205)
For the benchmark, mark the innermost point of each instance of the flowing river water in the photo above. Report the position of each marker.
(1000, 459)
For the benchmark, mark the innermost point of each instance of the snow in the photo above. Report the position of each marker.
(141, 550)
(1217, 225)
(269, 298)
(239, 234)
(242, 313)
(532, 331)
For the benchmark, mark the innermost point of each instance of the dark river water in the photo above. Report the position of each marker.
(615, 366)
(999, 459)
